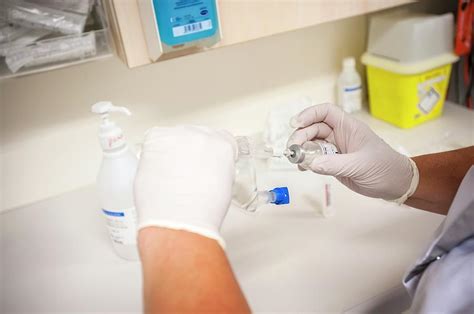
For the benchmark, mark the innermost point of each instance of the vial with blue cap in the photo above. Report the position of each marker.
(245, 194)
(276, 196)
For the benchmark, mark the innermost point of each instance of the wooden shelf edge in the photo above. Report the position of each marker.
(241, 21)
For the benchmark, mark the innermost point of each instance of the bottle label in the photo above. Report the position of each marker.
(328, 148)
(429, 101)
(352, 98)
(122, 225)
(112, 142)
(183, 21)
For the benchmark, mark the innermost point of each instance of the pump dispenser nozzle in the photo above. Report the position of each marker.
(110, 135)
(105, 107)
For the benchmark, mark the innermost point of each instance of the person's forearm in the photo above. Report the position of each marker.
(440, 176)
(186, 272)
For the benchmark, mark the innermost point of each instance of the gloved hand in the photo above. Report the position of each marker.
(184, 179)
(366, 164)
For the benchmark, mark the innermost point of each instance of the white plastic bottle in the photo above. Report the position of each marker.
(115, 183)
(349, 87)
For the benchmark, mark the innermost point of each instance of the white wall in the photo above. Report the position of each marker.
(1, 148)
(48, 143)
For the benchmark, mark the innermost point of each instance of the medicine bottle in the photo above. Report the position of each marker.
(349, 87)
(304, 154)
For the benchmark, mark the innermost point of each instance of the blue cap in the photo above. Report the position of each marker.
(282, 196)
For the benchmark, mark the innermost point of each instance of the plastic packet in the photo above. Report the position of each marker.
(78, 6)
(29, 37)
(51, 51)
(253, 146)
(36, 16)
(11, 32)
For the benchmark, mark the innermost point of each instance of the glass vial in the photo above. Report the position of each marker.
(304, 154)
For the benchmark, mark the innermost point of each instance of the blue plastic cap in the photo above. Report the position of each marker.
(282, 196)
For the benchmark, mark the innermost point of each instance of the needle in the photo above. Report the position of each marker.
(289, 153)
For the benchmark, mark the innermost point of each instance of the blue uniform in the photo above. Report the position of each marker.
(442, 280)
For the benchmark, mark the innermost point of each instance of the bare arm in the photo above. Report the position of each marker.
(440, 177)
(186, 272)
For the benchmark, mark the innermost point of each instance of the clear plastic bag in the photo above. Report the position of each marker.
(31, 15)
(11, 32)
(245, 193)
(53, 37)
(29, 37)
(77, 6)
(245, 183)
(253, 146)
(52, 51)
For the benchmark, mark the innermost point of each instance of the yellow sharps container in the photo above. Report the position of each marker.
(407, 94)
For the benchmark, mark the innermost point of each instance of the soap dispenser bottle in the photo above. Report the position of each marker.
(115, 182)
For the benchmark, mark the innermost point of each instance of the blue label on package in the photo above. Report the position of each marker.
(115, 214)
(183, 21)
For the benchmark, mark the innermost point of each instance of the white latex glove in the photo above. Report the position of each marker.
(184, 179)
(366, 164)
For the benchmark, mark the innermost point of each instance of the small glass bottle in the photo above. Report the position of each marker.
(305, 153)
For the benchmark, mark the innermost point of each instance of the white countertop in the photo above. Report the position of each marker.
(56, 255)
